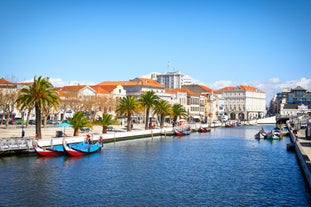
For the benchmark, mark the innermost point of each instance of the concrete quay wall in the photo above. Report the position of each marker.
(109, 137)
(15, 145)
(303, 152)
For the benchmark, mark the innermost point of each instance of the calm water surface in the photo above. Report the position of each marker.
(226, 167)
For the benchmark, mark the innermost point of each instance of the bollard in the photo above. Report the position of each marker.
(308, 130)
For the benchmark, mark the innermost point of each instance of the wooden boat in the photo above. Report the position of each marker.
(83, 148)
(182, 132)
(52, 151)
(261, 134)
(229, 125)
(274, 134)
(204, 130)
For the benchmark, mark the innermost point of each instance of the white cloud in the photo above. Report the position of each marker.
(274, 80)
(222, 83)
(270, 86)
(58, 82)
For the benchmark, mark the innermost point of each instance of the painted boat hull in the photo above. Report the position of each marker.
(203, 130)
(182, 132)
(82, 148)
(47, 152)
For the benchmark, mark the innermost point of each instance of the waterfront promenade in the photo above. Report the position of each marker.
(11, 140)
(50, 131)
(303, 151)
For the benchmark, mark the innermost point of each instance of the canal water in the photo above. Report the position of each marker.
(226, 167)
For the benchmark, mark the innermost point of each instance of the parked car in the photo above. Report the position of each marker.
(32, 122)
(303, 125)
(12, 122)
(51, 122)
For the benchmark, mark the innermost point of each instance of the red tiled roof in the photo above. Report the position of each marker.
(242, 87)
(181, 90)
(72, 88)
(228, 88)
(205, 88)
(135, 82)
(115, 83)
(3, 81)
(104, 89)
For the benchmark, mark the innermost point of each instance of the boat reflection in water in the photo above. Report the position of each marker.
(225, 167)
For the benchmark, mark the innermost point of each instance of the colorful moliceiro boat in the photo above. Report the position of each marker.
(83, 148)
(52, 151)
(182, 132)
(204, 129)
(274, 134)
(261, 134)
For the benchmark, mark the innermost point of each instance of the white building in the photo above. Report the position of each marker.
(170, 79)
(244, 102)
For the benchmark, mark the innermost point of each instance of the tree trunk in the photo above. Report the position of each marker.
(38, 123)
(7, 122)
(28, 117)
(129, 122)
(162, 120)
(104, 130)
(76, 132)
(147, 118)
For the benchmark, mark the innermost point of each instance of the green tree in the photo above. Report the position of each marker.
(128, 105)
(162, 108)
(148, 99)
(178, 111)
(105, 121)
(79, 120)
(40, 95)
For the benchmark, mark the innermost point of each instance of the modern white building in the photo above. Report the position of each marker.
(244, 102)
(170, 79)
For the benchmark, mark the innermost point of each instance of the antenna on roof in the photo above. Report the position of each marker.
(168, 66)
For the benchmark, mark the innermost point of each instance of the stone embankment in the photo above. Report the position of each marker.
(303, 150)
(12, 142)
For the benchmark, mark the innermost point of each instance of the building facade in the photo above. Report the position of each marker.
(170, 79)
(213, 107)
(292, 102)
(244, 102)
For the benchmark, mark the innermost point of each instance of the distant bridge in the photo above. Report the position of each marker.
(282, 119)
(268, 120)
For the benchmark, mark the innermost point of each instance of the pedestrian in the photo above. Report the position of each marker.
(23, 131)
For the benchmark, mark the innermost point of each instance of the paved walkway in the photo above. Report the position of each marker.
(304, 143)
(303, 151)
(50, 130)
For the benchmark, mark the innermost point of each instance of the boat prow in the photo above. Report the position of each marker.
(82, 148)
(52, 151)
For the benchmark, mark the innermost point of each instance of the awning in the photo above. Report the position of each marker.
(196, 117)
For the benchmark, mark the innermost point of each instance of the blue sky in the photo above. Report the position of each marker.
(263, 43)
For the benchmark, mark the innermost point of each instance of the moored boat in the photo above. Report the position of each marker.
(52, 151)
(82, 148)
(274, 134)
(182, 132)
(204, 129)
(261, 134)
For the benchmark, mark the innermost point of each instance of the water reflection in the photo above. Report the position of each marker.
(226, 167)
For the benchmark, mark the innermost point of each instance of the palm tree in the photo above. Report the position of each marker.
(78, 120)
(148, 100)
(178, 111)
(40, 94)
(128, 105)
(162, 108)
(105, 121)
